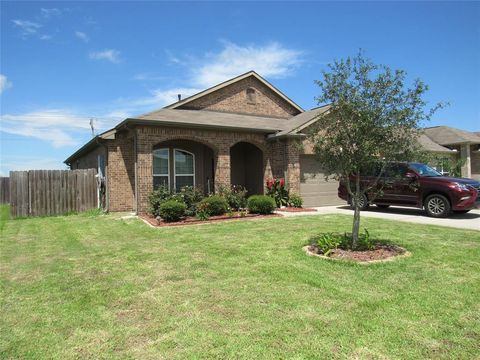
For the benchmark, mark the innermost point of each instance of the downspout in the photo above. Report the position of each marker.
(107, 188)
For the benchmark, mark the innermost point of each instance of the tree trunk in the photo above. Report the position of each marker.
(355, 226)
(356, 214)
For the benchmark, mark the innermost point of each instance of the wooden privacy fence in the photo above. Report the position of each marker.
(52, 192)
(4, 190)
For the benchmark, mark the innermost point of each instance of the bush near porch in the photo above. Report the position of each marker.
(100, 287)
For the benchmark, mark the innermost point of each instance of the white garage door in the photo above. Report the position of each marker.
(313, 187)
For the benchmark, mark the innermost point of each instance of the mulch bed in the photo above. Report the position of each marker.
(194, 221)
(382, 252)
(294, 209)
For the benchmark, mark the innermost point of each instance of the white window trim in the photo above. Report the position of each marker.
(168, 165)
(175, 169)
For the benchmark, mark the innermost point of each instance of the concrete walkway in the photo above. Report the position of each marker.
(469, 221)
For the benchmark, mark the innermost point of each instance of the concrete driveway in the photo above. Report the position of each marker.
(470, 221)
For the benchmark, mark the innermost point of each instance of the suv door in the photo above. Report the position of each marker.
(399, 188)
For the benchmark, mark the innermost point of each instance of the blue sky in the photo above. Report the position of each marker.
(63, 63)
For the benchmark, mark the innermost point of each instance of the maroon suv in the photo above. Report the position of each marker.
(418, 185)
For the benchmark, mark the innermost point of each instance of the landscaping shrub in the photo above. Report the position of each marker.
(236, 196)
(295, 200)
(156, 198)
(214, 205)
(326, 242)
(277, 190)
(191, 197)
(172, 210)
(188, 195)
(202, 212)
(261, 204)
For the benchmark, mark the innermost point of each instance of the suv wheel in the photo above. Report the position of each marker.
(363, 203)
(437, 205)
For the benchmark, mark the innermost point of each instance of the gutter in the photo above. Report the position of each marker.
(273, 137)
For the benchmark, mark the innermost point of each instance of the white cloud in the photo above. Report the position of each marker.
(27, 27)
(82, 36)
(111, 55)
(4, 83)
(47, 13)
(158, 98)
(60, 127)
(19, 163)
(45, 37)
(272, 60)
(51, 125)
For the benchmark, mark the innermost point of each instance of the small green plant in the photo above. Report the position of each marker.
(295, 200)
(172, 210)
(230, 212)
(191, 196)
(156, 198)
(243, 213)
(188, 195)
(202, 212)
(326, 242)
(261, 204)
(236, 196)
(365, 242)
(214, 205)
(277, 190)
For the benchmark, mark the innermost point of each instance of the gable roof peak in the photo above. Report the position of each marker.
(226, 83)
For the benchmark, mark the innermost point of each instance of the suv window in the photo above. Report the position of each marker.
(396, 170)
(424, 170)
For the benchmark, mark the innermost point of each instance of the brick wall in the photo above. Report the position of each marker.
(121, 173)
(233, 98)
(89, 160)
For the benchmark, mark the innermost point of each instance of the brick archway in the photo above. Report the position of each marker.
(247, 167)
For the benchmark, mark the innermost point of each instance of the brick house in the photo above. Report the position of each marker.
(240, 132)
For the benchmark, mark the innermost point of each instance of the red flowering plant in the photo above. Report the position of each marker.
(277, 190)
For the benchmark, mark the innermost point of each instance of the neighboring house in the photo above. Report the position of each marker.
(242, 132)
(465, 145)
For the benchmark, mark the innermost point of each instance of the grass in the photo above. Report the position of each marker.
(90, 286)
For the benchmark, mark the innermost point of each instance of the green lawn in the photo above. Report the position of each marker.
(99, 287)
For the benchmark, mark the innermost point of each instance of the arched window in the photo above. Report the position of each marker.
(161, 167)
(184, 169)
(251, 96)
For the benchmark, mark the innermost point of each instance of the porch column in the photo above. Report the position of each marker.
(293, 166)
(222, 167)
(466, 157)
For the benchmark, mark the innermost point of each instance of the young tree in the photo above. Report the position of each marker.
(373, 119)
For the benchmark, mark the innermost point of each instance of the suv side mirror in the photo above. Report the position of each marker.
(410, 174)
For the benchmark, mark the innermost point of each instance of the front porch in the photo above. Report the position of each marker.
(202, 158)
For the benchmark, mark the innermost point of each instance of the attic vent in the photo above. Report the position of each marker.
(251, 96)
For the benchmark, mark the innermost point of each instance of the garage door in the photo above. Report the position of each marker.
(313, 187)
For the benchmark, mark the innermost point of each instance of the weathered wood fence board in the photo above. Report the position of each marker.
(52, 192)
(4, 190)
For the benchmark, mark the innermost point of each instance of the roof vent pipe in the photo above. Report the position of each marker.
(179, 97)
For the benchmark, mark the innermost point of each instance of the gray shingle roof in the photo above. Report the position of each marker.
(429, 145)
(214, 119)
(445, 135)
(297, 123)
